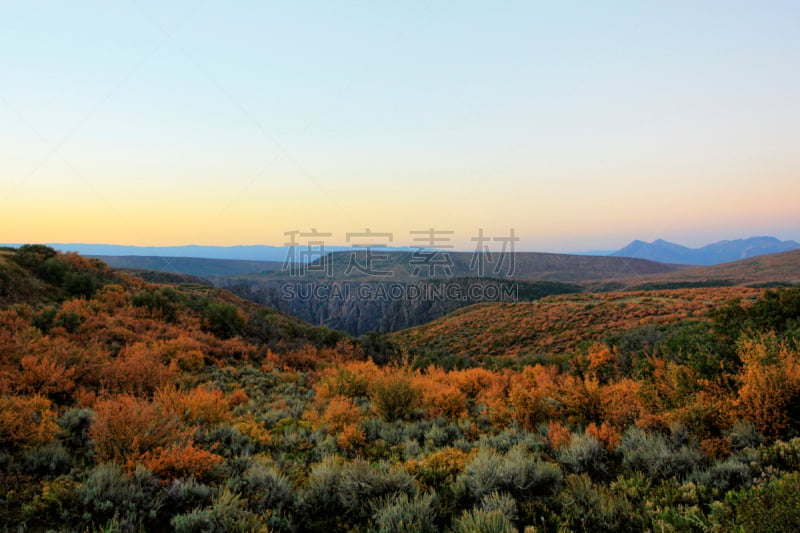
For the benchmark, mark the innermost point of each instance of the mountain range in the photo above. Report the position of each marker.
(711, 254)
(659, 250)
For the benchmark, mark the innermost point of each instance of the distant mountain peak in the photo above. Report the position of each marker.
(710, 254)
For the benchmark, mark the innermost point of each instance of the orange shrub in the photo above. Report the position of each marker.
(581, 399)
(605, 434)
(351, 438)
(528, 406)
(111, 297)
(440, 396)
(126, 427)
(439, 468)
(26, 421)
(237, 397)
(349, 379)
(138, 370)
(620, 403)
(474, 382)
(249, 426)
(45, 375)
(203, 405)
(558, 435)
(339, 412)
(770, 384)
(177, 461)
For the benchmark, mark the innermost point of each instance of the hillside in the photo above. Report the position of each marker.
(773, 269)
(711, 254)
(531, 266)
(557, 323)
(192, 266)
(39, 277)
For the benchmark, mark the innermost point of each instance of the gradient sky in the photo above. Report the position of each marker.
(583, 125)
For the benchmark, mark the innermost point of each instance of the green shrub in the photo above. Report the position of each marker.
(588, 508)
(266, 488)
(31, 256)
(183, 496)
(517, 473)
(744, 434)
(52, 270)
(224, 320)
(502, 502)
(395, 396)
(79, 285)
(584, 454)
(402, 513)
(771, 508)
(227, 513)
(480, 521)
(132, 501)
(348, 492)
(48, 461)
(650, 453)
(164, 302)
(73, 431)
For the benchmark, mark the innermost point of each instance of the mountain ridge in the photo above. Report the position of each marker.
(716, 253)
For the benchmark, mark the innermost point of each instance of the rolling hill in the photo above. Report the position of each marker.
(531, 266)
(557, 323)
(766, 270)
(192, 266)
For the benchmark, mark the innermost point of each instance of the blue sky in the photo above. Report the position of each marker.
(581, 125)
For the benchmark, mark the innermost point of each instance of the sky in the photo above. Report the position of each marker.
(579, 125)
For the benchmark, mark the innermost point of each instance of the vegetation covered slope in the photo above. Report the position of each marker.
(557, 323)
(192, 266)
(773, 269)
(532, 266)
(140, 407)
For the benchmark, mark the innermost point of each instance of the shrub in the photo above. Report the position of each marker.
(266, 488)
(179, 460)
(729, 474)
(164, 302)
(226, 513)
(348, 491)
(403, 513)
(772, 508)
(361, 483)
(31, 256)
(518, 473)
(182, 496)
(480, 521)
(651, 454)
(395, 396)
(126, 427)
(584, 454)
(50, 460)
(132, 501)
(25, 421)
(74, 427)
(56, 505)
(79, 285)
(744, 434)
(138, 370)
(224, 320)
(502, 502)
(589, 508)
